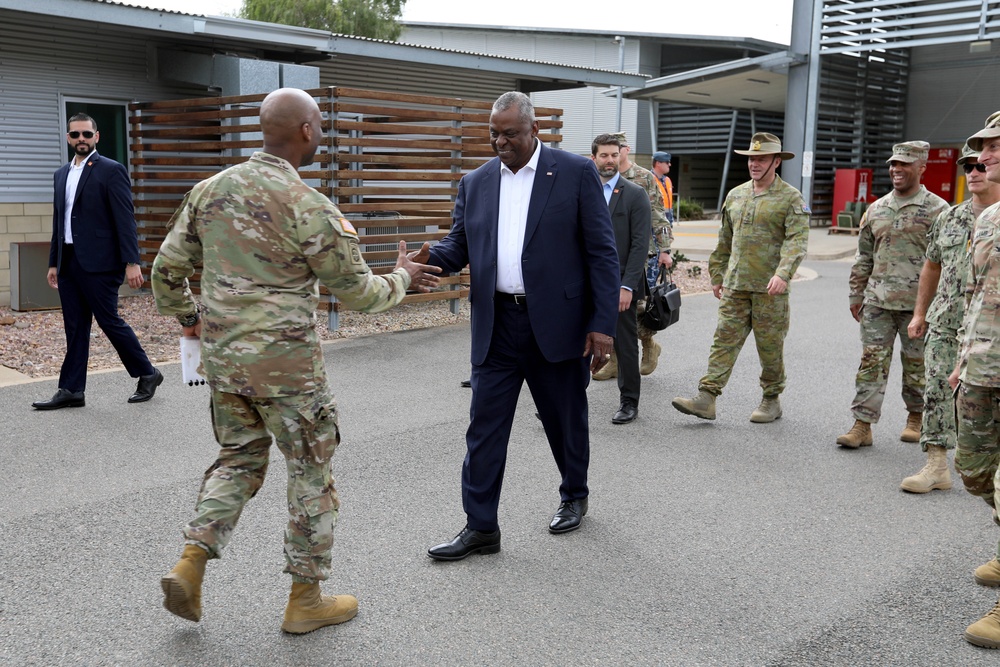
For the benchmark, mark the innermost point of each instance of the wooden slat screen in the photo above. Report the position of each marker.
(391, 162)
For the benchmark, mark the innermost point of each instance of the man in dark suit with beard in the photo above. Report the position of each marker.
(534, 228)
(94, 249)
(630, 217)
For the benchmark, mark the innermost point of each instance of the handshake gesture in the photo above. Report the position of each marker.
(422, 276)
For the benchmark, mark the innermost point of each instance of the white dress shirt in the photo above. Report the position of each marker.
(515, 194)
(72, 181)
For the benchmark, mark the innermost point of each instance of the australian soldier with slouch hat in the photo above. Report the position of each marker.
(763, 239)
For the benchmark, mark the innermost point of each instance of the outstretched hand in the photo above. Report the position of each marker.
(422, 276)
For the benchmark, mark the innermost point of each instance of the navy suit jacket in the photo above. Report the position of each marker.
(568, 261)
(631, 219)
(103, 222)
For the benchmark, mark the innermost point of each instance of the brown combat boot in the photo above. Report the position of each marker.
(988, 574)
(768, 410)
(308, 610)
(650, 355)
(911, 432)
(986, 631)
(609, 370)
(860, 435)
(182, 585)
(702, 405)
(935, 474)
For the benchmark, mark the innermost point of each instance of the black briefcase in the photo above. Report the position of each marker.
(663, 303)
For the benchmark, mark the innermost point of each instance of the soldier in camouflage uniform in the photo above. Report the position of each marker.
(659, 253)
(943, 279)
(884, 279)
(265, 241)
(977, 375)
(763, 239)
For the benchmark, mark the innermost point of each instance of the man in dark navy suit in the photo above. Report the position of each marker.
(631, 217)
(94, 248)
(533, 226)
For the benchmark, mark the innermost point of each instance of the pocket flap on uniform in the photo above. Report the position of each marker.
(319, 504)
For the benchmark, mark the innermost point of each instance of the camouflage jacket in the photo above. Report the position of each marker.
(645, 179)
(762, 235)
(891, 247)
(979, 347)
(948, 245)
(266, 240)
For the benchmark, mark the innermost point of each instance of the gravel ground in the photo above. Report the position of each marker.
(33, 343)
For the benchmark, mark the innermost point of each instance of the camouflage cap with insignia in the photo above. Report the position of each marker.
(991, 130)
(967, 154)
(765, 143)
(909, 151)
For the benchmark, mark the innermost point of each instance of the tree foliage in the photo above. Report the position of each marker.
(366, 18)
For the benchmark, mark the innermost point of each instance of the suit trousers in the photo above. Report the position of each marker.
(559, 390)
(86, 297)
(627, 352)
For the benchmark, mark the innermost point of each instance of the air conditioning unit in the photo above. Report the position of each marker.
(29, 290)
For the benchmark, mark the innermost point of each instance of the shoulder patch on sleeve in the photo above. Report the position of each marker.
(348, 228)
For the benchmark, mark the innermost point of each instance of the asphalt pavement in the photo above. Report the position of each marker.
(707, 543)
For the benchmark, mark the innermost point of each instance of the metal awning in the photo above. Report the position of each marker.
(748, 83)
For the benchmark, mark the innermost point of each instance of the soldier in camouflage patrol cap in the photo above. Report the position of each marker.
(977, 376)
(763, 239)
(884, 279)
(266, 240)
(943, 279)
(659, 253)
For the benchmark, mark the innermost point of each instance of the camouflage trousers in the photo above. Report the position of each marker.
(978, 453)
(305, 430)
(940, 354)
(741, 312)
(879, 328)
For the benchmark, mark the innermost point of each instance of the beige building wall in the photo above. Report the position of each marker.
(18, 223)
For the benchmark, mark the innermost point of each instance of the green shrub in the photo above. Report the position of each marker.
(689, 210)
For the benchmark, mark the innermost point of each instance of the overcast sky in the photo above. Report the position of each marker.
(770, 21)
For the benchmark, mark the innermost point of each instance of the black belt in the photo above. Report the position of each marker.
(519, 299)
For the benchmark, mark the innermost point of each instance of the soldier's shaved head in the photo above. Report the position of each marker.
(292, 125)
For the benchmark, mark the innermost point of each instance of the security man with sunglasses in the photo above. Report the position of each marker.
(94, 249)
(938, 316)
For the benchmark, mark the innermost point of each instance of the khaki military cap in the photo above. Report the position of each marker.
(765, 143)
(909, 151)
(620, 136)
(991, 130)
(967, 154)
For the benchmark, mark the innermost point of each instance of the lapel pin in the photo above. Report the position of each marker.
(548, 173)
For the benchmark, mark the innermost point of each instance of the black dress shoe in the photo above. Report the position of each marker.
(61, 399)
(466, 383)
(626, 413)
(568, 516)
(146, 387)
(466, 543)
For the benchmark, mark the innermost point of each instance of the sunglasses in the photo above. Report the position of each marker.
(87, 134)
(979, 166)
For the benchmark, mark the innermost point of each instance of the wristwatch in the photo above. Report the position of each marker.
(189, 320)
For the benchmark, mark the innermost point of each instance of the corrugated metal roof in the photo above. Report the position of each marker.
(246, 28)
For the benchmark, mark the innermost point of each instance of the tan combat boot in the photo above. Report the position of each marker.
(768, 410)
(308, 610)
(182, 585)
(988, 574)
(702, 405)
(860, 435)
(609, 370)
(935, 474)
(986, 631)
(911, 432)
(650, 355)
